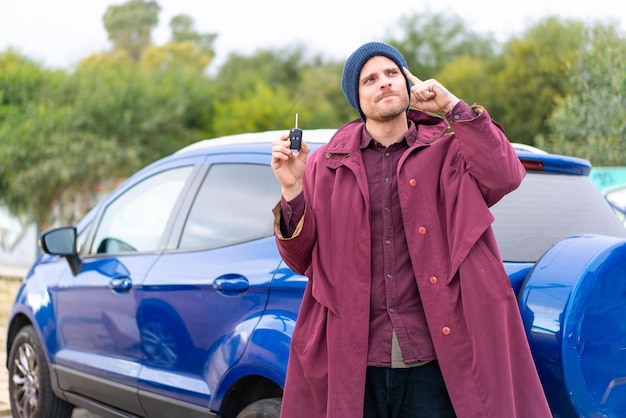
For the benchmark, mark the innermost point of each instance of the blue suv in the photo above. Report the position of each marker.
(169, 298)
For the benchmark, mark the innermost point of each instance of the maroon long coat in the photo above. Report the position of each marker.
(446, 184)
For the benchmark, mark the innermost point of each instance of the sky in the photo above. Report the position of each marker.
(59, 33)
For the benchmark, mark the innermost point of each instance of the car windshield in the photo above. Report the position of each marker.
(547, 208)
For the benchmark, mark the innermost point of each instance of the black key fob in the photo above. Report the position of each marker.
(295, 137)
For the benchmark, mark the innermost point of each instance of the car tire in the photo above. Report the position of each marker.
(265, 408)
(30, 390)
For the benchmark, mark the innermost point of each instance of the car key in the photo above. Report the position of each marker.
(295, 137)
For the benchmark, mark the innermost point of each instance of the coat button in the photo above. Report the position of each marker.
(421, 230)
(433, 280)
(412, 183)
(446, 330)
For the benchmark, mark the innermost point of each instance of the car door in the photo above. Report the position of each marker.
(202, 298)
(100, 353)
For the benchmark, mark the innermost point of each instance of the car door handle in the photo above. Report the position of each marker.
(120, 284)
(231, 284)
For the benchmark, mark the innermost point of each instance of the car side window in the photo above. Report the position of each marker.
(136, 220)
(234, 204)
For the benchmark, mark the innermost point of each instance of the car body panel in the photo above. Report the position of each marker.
(573, 309)
(96, 329)
(210, 323)
(201, 323)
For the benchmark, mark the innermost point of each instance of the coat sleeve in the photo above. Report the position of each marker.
(297, 250)
(489, 155)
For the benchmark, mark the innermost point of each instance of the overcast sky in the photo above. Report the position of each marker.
(59, 33)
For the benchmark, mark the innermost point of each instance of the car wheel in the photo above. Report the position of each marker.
(30, 390)
(265, 408)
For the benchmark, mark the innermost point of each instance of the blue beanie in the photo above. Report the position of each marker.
(354, 65)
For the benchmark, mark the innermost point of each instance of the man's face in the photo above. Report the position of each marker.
(383, 93)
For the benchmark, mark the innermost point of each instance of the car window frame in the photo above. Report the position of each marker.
(236, 157)
(196, 161)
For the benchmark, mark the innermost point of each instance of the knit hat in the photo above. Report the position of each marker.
(354, 65)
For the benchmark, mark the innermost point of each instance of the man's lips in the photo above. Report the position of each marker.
(386, 96)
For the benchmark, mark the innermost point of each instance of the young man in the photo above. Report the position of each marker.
(408, 311)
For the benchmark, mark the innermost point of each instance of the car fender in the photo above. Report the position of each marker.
(573, 304)
(266, 354)
(34, 304)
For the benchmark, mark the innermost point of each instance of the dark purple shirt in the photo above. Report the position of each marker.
(395, 302)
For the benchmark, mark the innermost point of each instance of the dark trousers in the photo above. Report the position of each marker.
(415, 392)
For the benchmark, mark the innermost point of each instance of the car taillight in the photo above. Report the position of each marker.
(532, 165)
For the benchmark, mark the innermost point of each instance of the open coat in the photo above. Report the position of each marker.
(446, 183)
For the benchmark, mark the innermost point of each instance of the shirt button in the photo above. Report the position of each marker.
(389, 276)
(421, 230)
(433, 280)
(387, 242)
(446, 330)
(412, 182)
(392, 310)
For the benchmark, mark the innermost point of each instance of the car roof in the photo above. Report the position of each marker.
(312, 136)
(527, 148)
(533, 159)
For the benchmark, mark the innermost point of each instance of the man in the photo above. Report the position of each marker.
(408, 311)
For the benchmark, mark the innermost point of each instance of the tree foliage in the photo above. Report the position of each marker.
(62, 134)
(590, 122)
(467, 77)
(429, 41)
(306, 85)
(183, 30)
(130, 25)
(24, 84)
(531, 76)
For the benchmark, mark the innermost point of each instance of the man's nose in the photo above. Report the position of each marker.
(385, 81)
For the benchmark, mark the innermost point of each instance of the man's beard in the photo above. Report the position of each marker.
(388, 113)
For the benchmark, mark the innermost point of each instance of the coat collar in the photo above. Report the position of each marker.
(347, 139)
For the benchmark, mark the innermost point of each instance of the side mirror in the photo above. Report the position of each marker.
(61, 241)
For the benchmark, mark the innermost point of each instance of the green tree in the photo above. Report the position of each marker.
(130, 25)
(23, 84)
(62, 134)
(186, 56)
(53, 168)
(152, 113)
(322, 103)
(183, 30)
(261, 91)
(469, 79)
(21, 81)
(429, 41)
(188, 50)
(281, 67)
(257, 109)
(530, 78)
(310, 86)
(591, 121)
